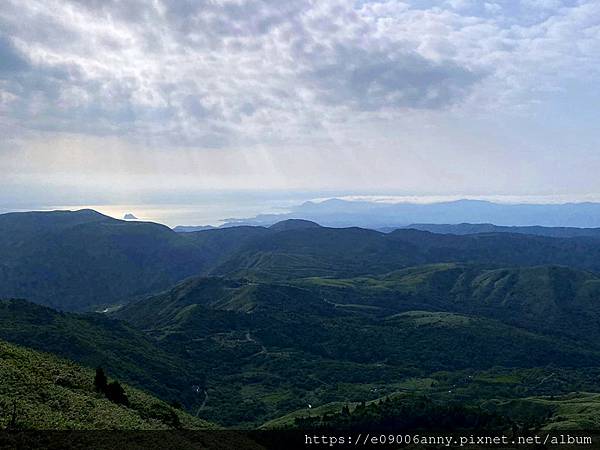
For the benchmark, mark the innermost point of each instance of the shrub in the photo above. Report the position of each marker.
(116, 394)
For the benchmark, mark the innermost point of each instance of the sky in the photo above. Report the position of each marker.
(143, 101)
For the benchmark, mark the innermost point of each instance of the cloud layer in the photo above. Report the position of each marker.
(300, 74)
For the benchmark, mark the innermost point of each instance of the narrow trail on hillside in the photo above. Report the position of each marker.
(203, 402)
(263, 349)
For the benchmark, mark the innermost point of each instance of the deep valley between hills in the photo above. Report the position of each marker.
(244, 327)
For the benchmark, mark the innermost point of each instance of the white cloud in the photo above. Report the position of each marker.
(257, 77)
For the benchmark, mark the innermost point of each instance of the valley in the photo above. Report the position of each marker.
(246, 327)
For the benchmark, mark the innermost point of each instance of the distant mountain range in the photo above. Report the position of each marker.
(474, 228)
(83, 260)
(368, 214)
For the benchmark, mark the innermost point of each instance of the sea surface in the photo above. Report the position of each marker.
(219, 208)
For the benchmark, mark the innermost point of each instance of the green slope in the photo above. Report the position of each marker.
(83, 260)
(46, 392)
(555, 301)
(95, 340)
(259, 350)
(430, 407)
(354, 251)
(79, 260)
(269, 348)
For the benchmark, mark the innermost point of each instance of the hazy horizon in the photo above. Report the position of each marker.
(215, 209)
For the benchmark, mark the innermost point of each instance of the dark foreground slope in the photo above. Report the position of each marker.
(41, 391)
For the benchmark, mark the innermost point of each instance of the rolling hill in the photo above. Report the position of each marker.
(340, 339)
(243, 325)
(343, 252)
(83, 260)
(549, 299)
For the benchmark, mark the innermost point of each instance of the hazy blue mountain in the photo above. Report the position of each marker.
(294, 224)
(342, 213)
(473, 228)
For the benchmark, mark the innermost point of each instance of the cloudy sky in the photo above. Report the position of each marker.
(122, 100)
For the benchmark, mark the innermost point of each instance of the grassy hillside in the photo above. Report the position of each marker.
(270, 348)
(241, 352)
(94, 340)
(41, 391)
(439, 406)
(335, 252)
(555, 301)
(83, 260)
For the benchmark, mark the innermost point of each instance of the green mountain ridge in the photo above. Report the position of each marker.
(552, 300)
(321, 328)
(82, 260)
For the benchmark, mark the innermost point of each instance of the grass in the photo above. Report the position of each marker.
(576, 411)
(41, 391)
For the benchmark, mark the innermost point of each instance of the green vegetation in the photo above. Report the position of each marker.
(97, 341)
(241, 353)
(41, 391)
(467, 408)
(83, 260)
(408, 414)
(246, 327)
(267, 348)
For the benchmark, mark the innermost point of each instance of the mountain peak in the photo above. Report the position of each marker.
(294, 224)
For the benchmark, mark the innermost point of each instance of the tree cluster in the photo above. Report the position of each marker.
(113, 391)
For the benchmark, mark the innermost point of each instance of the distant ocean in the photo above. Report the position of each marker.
(173, 215)
(214, 210)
